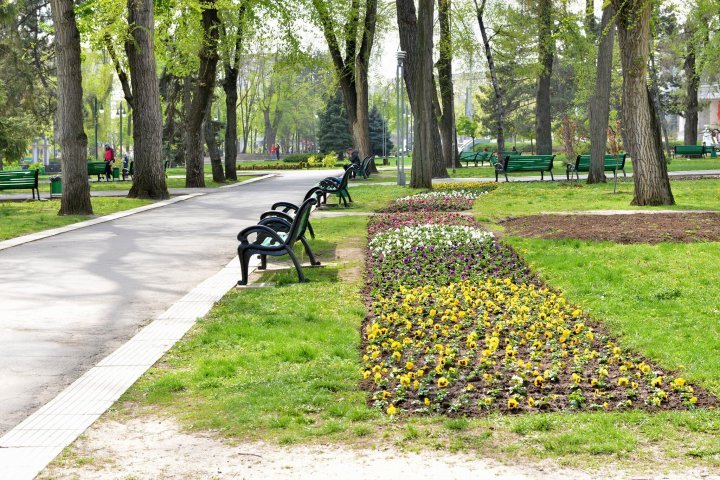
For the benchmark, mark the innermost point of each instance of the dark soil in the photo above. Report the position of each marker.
(634, 228)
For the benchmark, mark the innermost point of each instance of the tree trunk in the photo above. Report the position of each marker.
(149, 177)
(195, 159)
(655, 100)
(171, 92)
(480, 11)
(546, 49)
(444, 69)
(432, 158)
(692, 80)
(212, 146)
(422, 66)
(600, 101)
(73, 141)
(652, 185)
(231, 96)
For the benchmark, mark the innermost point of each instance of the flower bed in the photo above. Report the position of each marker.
(436, 201)
(459, 325)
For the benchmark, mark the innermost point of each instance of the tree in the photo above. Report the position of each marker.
(429, 159)
(73, 141)
(600, 101)
(692, 86)
(445, 81)
(149, 178)
(207, 73)
(546, 53)
(467, 127)
(352, 70)
(498, 94)
(334, 130)
(652, 185)
(380, 142)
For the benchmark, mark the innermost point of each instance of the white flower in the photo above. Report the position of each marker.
(406, 238)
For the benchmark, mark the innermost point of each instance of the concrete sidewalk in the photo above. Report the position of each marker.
(71, 299)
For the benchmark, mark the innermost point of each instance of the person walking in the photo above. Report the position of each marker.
(109, 160)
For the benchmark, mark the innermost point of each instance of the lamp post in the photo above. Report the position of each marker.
(120, 112)
(95, 114)
(401, 126)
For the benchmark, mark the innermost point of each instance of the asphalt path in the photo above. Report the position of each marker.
(69, 300)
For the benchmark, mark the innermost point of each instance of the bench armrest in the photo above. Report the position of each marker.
(246, 232)
(286, 206)
(275, 214)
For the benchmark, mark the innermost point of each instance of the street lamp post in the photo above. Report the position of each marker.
(401, 126)
(96, 127)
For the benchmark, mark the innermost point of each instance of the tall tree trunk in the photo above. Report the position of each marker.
(73, 141)
(480, 12)
(149, 177)
(652, 185)
(195, 161)
(212, 146)
(231, 96)
(692, 80)
(444, 69)
(432, 158)
(600, 101)
(657, 107)
(422, 66)
(171, 92)
(546, 49)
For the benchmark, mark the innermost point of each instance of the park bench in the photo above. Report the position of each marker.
(694, 150)
(365, 166)
(582, 164)
(339, 187)
(476, 157)
(525, 163)
(263, 240)
(291, 209)
(20, 180)
(96, 168)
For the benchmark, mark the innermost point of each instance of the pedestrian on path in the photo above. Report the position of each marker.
(109, 160)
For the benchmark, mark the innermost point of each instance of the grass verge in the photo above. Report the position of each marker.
(21, 218)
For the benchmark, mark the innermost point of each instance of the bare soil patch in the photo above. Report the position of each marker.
(638, 228)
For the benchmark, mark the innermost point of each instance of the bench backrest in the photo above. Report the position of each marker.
(24, 177)
(346, 176)
(583, 161)
(95, 168)
(300, 222)
(365, 165)
(689, 149)
(529, 162)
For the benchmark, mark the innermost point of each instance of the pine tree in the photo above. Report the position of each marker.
(378, 129)
(334, 135)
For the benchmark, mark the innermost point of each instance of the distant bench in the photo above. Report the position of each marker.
(476, 157)
(20, 179)
(96, 168)
(582, 164)
(700, 150)
(525, 163)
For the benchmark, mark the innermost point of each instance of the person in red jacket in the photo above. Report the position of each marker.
(109, 159)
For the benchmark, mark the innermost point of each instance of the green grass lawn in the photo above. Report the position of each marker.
(21, 218)
(281, 364)
(527, 198)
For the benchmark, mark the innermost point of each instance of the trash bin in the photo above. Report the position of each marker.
(55, 187)
(386, 161)
(116, 173)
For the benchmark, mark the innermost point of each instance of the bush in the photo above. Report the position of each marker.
(312, 161)
(329, 160)
(297, 158)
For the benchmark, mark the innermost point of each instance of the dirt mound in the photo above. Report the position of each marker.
(638, 228)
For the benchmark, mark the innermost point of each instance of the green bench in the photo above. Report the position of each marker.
(96, 168)
(20, 179)
(476, 157)
(582, 164)
(525, 163)
(698, 150)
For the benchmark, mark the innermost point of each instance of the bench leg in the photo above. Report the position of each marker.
(244, 260)
(301, 277)
(310, 229)
(313, 261)
(263, 262)
(624, 174)
(552, 177)
(542, 175)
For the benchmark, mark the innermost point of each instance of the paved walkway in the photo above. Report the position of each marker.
(71, 299)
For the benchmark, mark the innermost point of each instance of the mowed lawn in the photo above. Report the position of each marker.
(282, 364)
